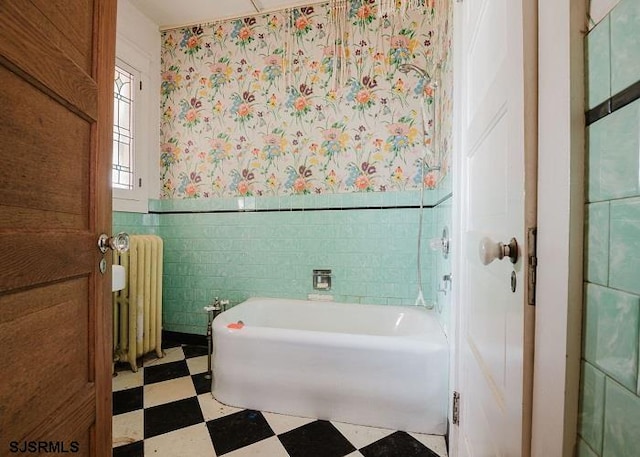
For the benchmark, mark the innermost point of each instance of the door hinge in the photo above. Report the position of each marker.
(532, 264)
(456, 409)
(139, 182)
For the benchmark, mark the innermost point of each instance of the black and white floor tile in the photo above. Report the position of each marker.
(166, 410)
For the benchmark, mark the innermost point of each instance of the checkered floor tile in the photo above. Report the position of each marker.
(166, 410)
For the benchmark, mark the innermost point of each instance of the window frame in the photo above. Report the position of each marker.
(134, 96)
(132, 60)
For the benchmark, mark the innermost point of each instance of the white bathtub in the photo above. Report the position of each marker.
(382, 366)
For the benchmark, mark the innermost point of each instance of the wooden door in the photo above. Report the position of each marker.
(497, 106)
(56, 101)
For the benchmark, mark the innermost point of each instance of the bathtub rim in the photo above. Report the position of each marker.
(220, 324)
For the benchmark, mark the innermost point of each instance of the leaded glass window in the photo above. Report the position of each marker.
(122, 172)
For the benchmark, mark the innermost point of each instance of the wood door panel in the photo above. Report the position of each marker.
(72, 20)
(56, 89)
(40, 258)
(15, 306)
(37, 13)
(72, 422)
(48, 171)
(30, 218)
(45, 333)
(42, 63)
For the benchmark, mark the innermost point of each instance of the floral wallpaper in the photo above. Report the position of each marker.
(255, 106)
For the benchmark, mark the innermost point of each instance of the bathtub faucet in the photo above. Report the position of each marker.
(428, 304)
(213, 310)
(217, 306)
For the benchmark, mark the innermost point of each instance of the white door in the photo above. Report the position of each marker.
(495, 119)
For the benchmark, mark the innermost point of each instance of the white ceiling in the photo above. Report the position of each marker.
(173, 13)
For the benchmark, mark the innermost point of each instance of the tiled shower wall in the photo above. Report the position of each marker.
(442, 215)
(369, 246)
(369, 241)
(135, 223)
(610, 390)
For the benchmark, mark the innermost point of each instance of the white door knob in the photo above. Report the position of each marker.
(491, 250)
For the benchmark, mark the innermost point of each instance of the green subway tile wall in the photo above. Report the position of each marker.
(610, 391)
(442, 215)
(621, 419)
(614, 155)
(598, 61)
(597, 243)
(592, 413)
(371, 253)
(611, 333)
(584, 450)
(371, 250)
(624, 257)
(135, 223)
(625, 45)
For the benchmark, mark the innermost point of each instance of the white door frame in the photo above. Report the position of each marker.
(561, 150)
